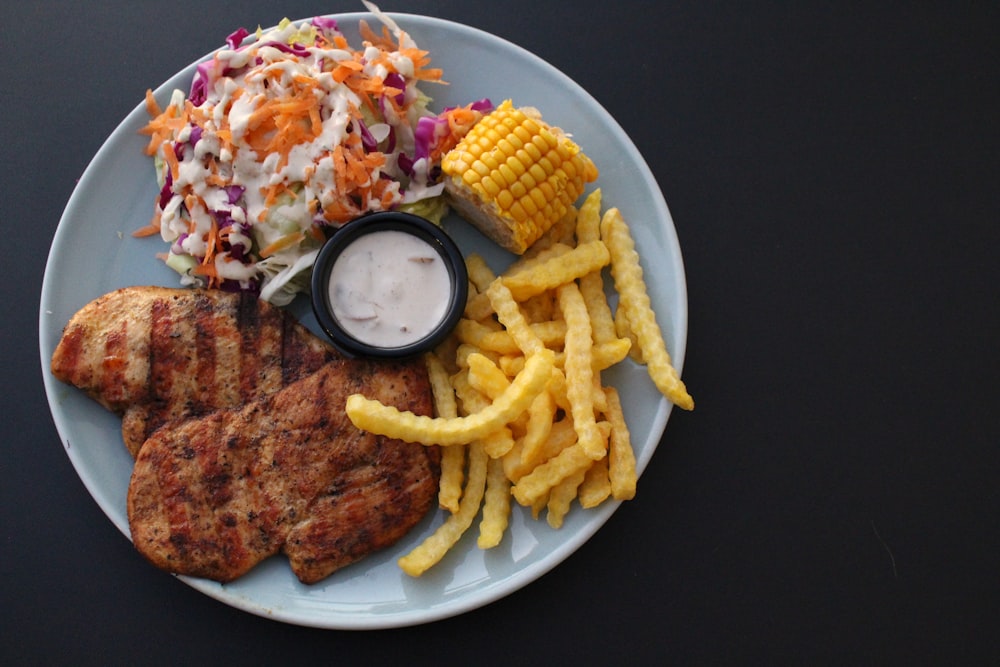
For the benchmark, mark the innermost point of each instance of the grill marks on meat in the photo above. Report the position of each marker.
(154, 354)
(213, 496)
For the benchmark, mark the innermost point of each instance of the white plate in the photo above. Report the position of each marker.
(93, 253)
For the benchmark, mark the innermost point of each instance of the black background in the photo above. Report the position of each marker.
(832, 171)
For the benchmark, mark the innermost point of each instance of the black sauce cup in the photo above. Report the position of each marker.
(380, 222)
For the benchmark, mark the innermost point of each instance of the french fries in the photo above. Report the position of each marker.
(520, 408)
(639, 314)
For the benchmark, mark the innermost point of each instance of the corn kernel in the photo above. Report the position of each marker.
(504, 200)
(470, 177)
(490, 186)
(538, 197)
(518, 212)
(537, 173)
(533, 152)
(527, 180)
(508, 173)
(518, 164)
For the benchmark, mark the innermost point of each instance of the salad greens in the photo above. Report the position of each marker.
(284, 136)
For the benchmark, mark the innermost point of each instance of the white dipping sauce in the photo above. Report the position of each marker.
(389, 288)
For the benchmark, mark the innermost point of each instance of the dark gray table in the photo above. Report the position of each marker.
(832, 171)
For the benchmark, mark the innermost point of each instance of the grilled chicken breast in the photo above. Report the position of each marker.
(215, 495)
(235, 413)
(156, 354)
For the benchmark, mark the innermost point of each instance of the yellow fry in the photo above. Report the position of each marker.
(558, 270)
(496, 443)
(441, 389)
(579, 369)
(539, 308)
(452, 458)
(479, 335)
(561, 436)
(479, 271)
(376, 417)
(557, 387)
(477, 307)
(627, 273)
(596, 486)
(463, 351)
(510, 315)
(452, 476)
(588, 218)
(436, 545)
(496, 505)
(541, 415)
(512, 467)
(539, 505)
(609, 353)
(536, 484)
(561, 497)
(623, 330)
(602, 321)
(486, 377)
(511, 364)
(621, 459)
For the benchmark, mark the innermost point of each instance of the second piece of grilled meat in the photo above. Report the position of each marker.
(215, 495)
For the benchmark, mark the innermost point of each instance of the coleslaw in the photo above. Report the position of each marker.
(284, 136)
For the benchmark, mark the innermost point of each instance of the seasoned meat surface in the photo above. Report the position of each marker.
(215, 495)
(156, 354)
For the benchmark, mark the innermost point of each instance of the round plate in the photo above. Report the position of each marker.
(93, 253)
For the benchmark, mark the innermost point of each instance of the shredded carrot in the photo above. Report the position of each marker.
(282, 243)
(170, 157)
(382, 41)
(152, 108)
(209, 271)
(213, 242)
(152, 228)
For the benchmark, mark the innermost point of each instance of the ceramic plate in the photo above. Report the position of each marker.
(93, 252)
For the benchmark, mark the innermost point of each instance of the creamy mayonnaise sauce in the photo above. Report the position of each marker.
(389, 289)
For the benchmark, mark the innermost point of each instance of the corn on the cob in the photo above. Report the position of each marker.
(513, 176)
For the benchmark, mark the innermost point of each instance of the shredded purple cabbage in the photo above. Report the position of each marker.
(236, 38)
(166, 192)
(405, 163)
(326, 24)
(367, 138)
(234, 192)
(426, 134)
(199, 84)
(395, 80)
